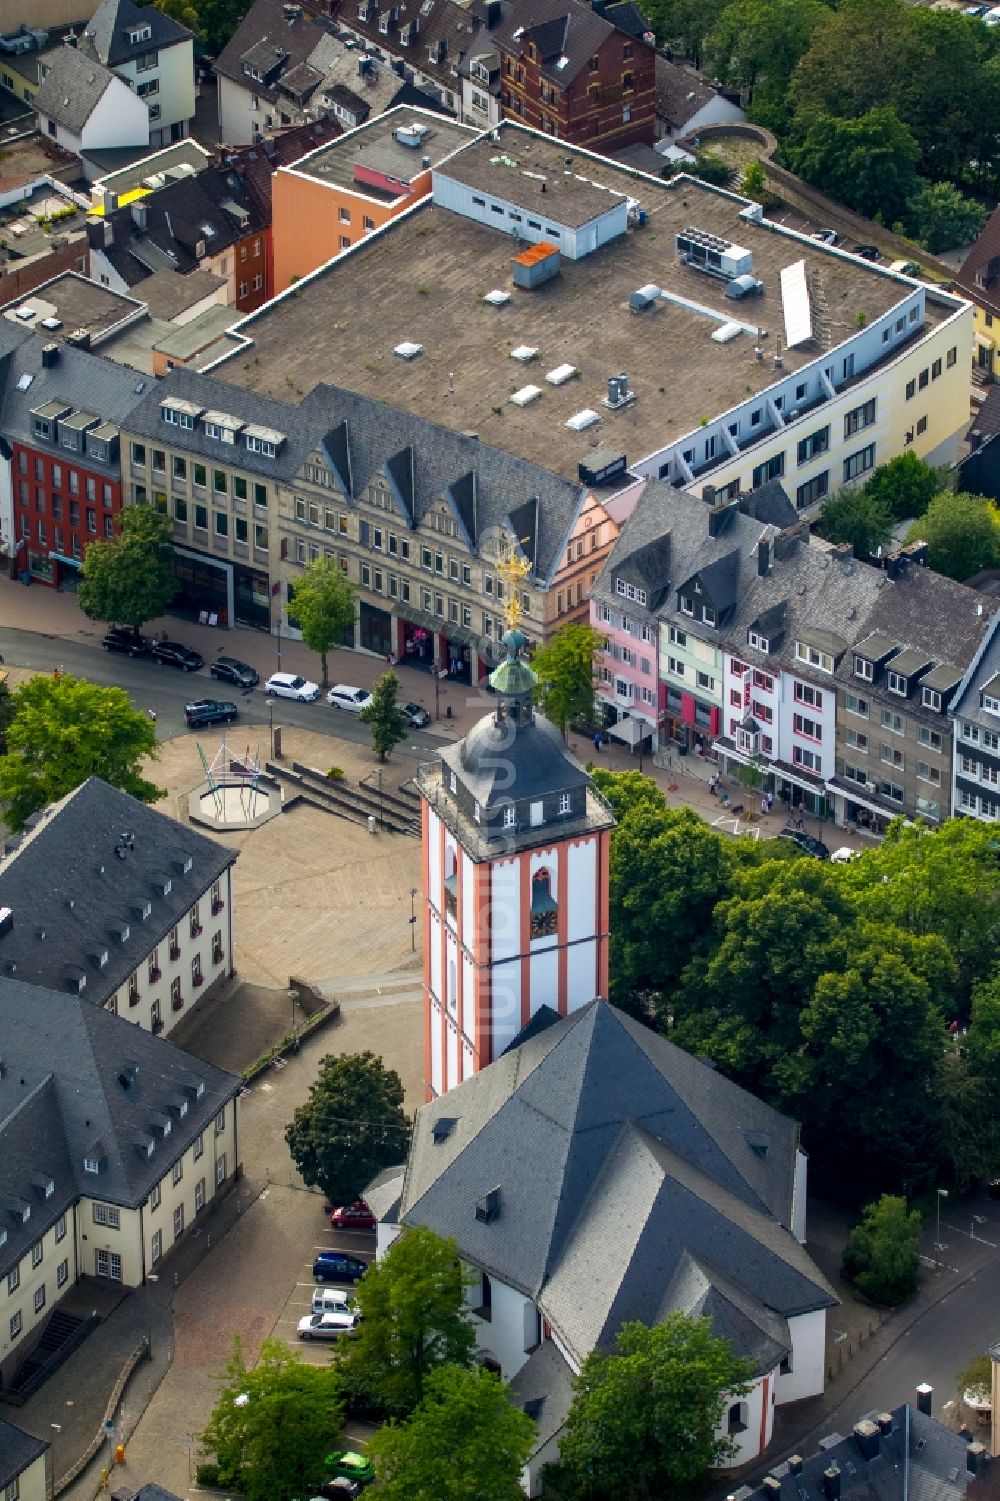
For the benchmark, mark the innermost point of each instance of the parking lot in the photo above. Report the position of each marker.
(360, 1244)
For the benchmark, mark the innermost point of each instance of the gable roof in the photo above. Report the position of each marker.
(979, 277)
(626, 16)
(436, 27)
(81, 1083)
(267, 28)
(71, 893)
(560, 29)
(106, 35)
(257, 164)
(203, 209)
(89, 382)
(614, 1155)
(17, 1451)
(680, 93)
(72, 89)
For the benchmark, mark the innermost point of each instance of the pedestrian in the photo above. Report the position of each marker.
(597, 740)
(713, 784)
(763, 804)
(152, 714)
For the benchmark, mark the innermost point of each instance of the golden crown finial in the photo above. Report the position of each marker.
(513, 567)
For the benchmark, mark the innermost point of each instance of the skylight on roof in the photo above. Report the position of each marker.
(497, 298)
(526, 395)
(561, 374)
(563, 61)
(25, 381)
(524, 353)
(582, 420)
(408, 351)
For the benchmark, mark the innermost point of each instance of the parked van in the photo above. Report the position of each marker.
(332, 1300)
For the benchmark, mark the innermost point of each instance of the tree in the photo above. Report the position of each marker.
(130, 580)
(883, 1252)
(941, 217)
(643, 1421)
(414, 1321)
(219, 19)
(388, 723)
(868, 163)
(753, 183)
(181, 11)
(977, 1378)
(465, 1438)
(961, 532)
(323, 608)
(756, 44)
(858, 518)
(565, 671)
(351, 1126)
(905, 486)
(6, 715)
(64, 730)
(272, 1425)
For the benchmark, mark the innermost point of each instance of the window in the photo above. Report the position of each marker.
(675, 667)
(219, 485)
(199, 1195)
(921, 425)
(772, 468)
(106, 1214)
(155, 1196)
(91, 1165)
(13, 1280)
(36, 1254)
(156, 1246)
(856, 740)
(911, 389)
(891, 790)
(687, 604)
(856, 705)
(892, 721)
(220, 1122)
(139, 454)
(177, 1172)
(60, 1228)
(630, 591)
(544, 910)
(897, 683)
(812, 490)
(15, 1325)
(864, 669)
(930, 738)
(805, 693)
(762, 680)
(809, 760)
(62, 1273)
(861, 417)
(706, 681)
(951, 357)
(39, 1299)
(737, 1418)
(220, 1170)
(859, 463)
(891, 756)
(928, 773)
(923, 380)
(178, 1221)
(806, 653)
(931, 699)
(811, 728)
(678, 638)
(935, 370)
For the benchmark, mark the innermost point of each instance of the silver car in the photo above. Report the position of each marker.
(329, 1325)
(287, 685)
(343, 696)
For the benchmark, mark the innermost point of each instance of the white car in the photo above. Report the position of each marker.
(329, 1325)
(287, 685)
(343, 696)
(333, 1300)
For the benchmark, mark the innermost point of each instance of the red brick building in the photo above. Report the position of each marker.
(569, 72)
(60, 413)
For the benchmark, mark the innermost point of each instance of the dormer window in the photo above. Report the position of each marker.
(219, 433)
(758, 642)
(897, 683)
(509, 817)
(990, 703)
(629, 591)
(137, 34)
(813, 658)
(687, 604)
(479, 70)
(863, 668)
(383, 23)
(931, 699)
(91, 1164)
(708, 615)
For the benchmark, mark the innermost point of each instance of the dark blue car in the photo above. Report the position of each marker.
(337, 1266)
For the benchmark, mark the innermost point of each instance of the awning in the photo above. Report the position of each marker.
(60, 557)
(630, 731)
(984, 341)
(804, 783)
(843, 790)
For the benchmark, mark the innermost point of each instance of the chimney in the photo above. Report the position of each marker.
(720, 516)
(770, 1488)
(50, 356)
(867, 1437)
(110, 202)
(493, 14)
(795, 1464)
(831, 1483)
(975, 1458)
(139, 214)
(763, 557)
(708, 494)
(925, 1399)
(884, 1421)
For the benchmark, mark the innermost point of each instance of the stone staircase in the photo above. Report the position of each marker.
(396, 810)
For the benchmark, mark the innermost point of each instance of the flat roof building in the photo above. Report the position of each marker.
(779, 382)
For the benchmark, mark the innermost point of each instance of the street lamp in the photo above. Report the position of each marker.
(942, 1193)
(437, 689)
(413, 921)
(150, 1277)
(269, 704)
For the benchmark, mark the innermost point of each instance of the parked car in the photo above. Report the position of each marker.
(844, 855)
(124, 638)
(337, 1266)
(975, 10)
(826, 236)
(333, 1300)
(329, 1325)
(868, 252)
(338, 1489)
(806, 843)
(287, 685)
(416, 717)
(173, 654)
(232, 670)
(353, 1217)
(210, 711)
(348, 1462)
(343, 696)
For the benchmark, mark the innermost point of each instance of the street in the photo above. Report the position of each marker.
(166, 690)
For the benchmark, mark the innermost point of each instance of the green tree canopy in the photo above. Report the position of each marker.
(977, 1377)
(465, 1438)
(6, 715)
(565, 671)
(755, 45)
(905, 486)
(883, 1252)
(869, 162)
(272, 1424)
(962, 533)
(388, 723)
(683, 23)
(415, 1321)
(64, 730)
(323, 607)
(858, 518)
(643, 1421)
(130, 580)
(351, 1126)
(941, 216)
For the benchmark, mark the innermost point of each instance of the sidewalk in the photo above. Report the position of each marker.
(58, 616)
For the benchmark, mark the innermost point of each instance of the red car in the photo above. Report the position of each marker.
(352, 1217)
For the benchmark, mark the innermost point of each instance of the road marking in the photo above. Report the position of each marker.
(979, 1239)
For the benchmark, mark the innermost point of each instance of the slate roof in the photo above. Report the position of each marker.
(106, 36)
(438, 21)
(361, 438)
(769, 503)
(543, 1388)
(680, 93)
(72, 89)
(527, 760)
(80, 1082)
(986, 420)
(558, 28)
(626, 16)
(383, 1193)
(88, 382)
(70, 857)
(258, 163)
(966, 704)
(618, 1158)
(265, 26)
(917, 1459)
(178, 216)
(17, 1451)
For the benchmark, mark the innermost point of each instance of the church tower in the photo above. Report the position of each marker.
(516, 846)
